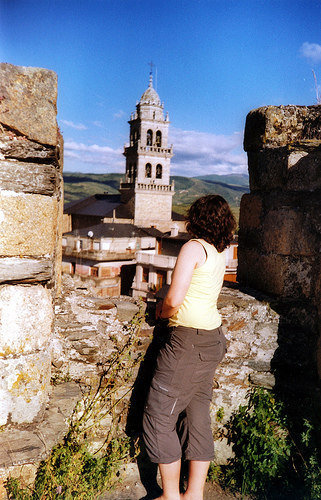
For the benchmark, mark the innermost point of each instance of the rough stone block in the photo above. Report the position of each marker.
(25, 319)
(24, 177)
(24, 383)
(30, 445)
(262, 272)
(28, 224)
(299, 277)
(304, 168)
(17, 147)
(287, 276)
(126, 310)
(283, 233)
(28, 105)
(278, 126)
(25, 270)
(267, 169)
(251, 211)
(266, 380)
(295, 168)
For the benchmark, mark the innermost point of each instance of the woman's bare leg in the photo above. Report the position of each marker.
(170, 474)
(196, 480)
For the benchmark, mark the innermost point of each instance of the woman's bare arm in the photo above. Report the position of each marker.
(192, 255)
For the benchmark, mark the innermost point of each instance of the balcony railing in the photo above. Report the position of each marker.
(231, 264)
(147, 187)
(149, 149)
(159, 261)
(99, 255)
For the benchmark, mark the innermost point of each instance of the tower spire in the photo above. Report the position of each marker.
(151, 64)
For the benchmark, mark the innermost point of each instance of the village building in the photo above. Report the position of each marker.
(127, 243)
(105, 254)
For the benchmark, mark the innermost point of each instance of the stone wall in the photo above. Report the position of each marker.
(31, 152)
(280, 231)
(88, 328)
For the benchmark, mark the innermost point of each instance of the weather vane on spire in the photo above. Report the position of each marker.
(151, 67)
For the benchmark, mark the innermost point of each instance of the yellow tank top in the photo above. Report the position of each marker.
(199, 309)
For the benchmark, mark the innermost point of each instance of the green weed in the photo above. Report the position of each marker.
(274, 455)
(260, 442)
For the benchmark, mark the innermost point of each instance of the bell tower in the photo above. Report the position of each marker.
(147, 190)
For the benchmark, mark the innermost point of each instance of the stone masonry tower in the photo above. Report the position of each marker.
(147, 191)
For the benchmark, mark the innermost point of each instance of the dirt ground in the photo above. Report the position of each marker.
(130, 487)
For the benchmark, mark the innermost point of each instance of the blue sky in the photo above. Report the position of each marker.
(215, 61)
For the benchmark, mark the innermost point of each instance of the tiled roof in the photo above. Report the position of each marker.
(113, 230)
(176, 216)
(101, 205)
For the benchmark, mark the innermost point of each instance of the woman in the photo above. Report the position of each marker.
(183, 377)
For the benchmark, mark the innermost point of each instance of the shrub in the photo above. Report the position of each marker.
(260, 442)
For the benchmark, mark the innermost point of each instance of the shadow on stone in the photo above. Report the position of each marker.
(147, 470)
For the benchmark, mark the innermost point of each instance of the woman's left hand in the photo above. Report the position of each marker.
(158, 310)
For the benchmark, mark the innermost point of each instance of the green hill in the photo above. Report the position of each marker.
(79, 186)
(187, 189)
(232, 179)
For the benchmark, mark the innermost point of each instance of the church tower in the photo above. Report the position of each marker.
(147, 191)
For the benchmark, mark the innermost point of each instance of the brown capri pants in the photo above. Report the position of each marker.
(183, 382)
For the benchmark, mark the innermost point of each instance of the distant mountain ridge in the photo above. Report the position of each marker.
(233, 179)
(187, 189)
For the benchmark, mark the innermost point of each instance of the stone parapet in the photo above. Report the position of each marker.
(29, 223)
(280, 219)
(29, 102)
(31, 201)
(283, 145)
(27, 328)
(279, 126)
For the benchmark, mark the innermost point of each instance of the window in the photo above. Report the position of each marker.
(158, 138)
(161, 279)
(149, 139)
(78, 245)
(94, 271)
(235, 252)
(159, 171)
(148, 170)
(145, 274)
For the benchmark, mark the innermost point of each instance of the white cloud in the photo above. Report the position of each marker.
(119, 114)
(198, 153)
(77, 126)
(195, 153)
(311, 51)
(93, 158)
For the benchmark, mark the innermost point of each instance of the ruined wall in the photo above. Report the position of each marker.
(30, 248)
(280, 229)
